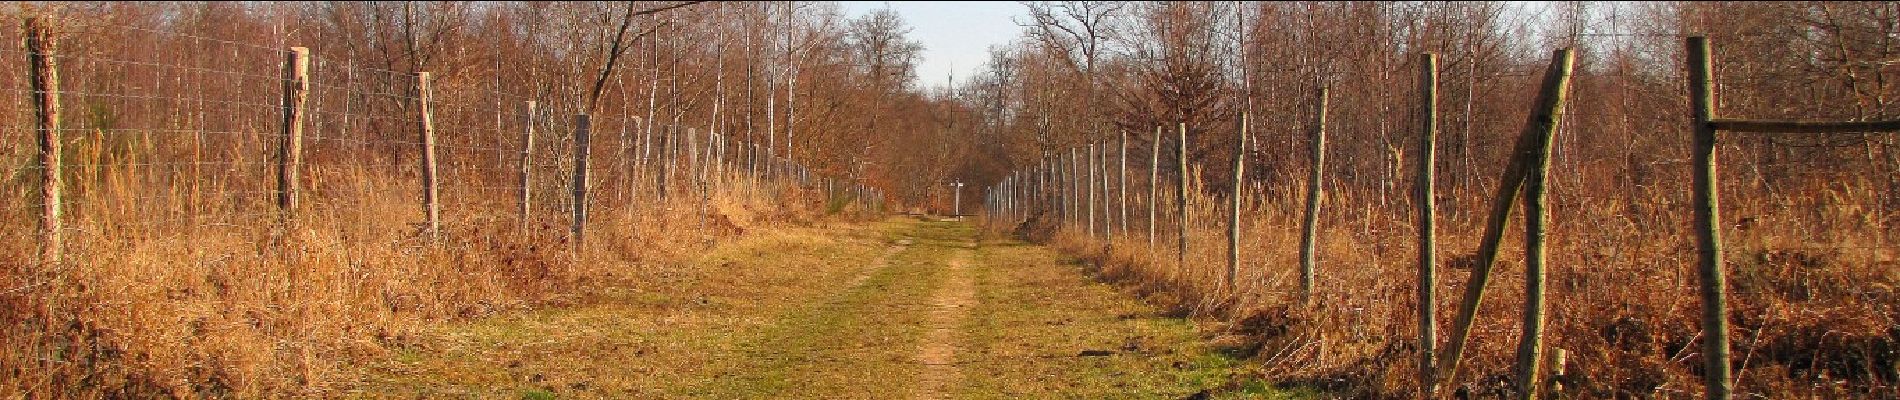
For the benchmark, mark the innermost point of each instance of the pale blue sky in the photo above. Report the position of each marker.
(956, 35)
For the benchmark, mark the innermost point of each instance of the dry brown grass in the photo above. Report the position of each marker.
(236, 305)
(1813, 298)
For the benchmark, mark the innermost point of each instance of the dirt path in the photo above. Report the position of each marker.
(939, 347)
(901, 308)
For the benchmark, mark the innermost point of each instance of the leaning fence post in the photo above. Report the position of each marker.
(1511, 183)
(40, 45)
(290, 150)
(1315, 193)
(430, 196)
(1714, 287)
(527, 162)
(1427, 224)
(582, 127)
(1530, 350)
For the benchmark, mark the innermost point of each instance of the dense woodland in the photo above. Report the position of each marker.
(172, 110)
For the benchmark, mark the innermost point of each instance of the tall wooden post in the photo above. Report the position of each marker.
(1089, 186)
(43, 66)
(430, 196)
(583, 126)
(1315, 193)
(1074, 197)
(1427, 225)
(1233, 214)
(1181, 202)
(527, 163)
(1154, 187)
(1530, 349)
(1714, 285)
(1122, 186)
(290, 149)
(1102, 181)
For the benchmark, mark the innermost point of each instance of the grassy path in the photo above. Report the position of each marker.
(898, 309)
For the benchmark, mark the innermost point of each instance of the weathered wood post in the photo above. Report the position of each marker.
(1154, 187)
(1530, 350)
(1101, 179)
(1315, 193)
(1122, 186)
(1714, 285)
(1530, 345)
(1181, 202)
(527, 163)
(1233, 214)
(1073, 198)
(290, 149)
(1556, 78)
(1427, 224)
(1089, 186)
(583, 126)
(426, 124)
(43, 66)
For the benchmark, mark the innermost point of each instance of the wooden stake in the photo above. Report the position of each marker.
(1427, 225)
(1154, 187)
(43, 67)
(1075, 188)
(290, 150)
(1531, 343)
(527, 163)
(1505, 200)
(430, 196)
(1315, 193)
(1122, 211)
(1181, 202)
(1102, 181)
(1089, 186)
(583, 126)
(1233, 214)
(1714, 284)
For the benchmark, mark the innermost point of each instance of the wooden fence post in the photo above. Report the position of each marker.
(290, 150)
(1089, 186)
(1315, 193)
(43, 66)
(1154, 188)
(430, 196)
(527, 163)
(1233, 221)
(583, 126)
(1427, 224)
(1101, 174)
(1556, 77)
(1530, 350)
(1075, 189)
(1714, 285)
(1181, 202)
(1122, 186)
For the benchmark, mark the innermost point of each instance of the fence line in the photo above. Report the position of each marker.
(1559, 218)
(247, 142)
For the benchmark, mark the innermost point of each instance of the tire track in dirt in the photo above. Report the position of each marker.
(938, 349)
(882, 260)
